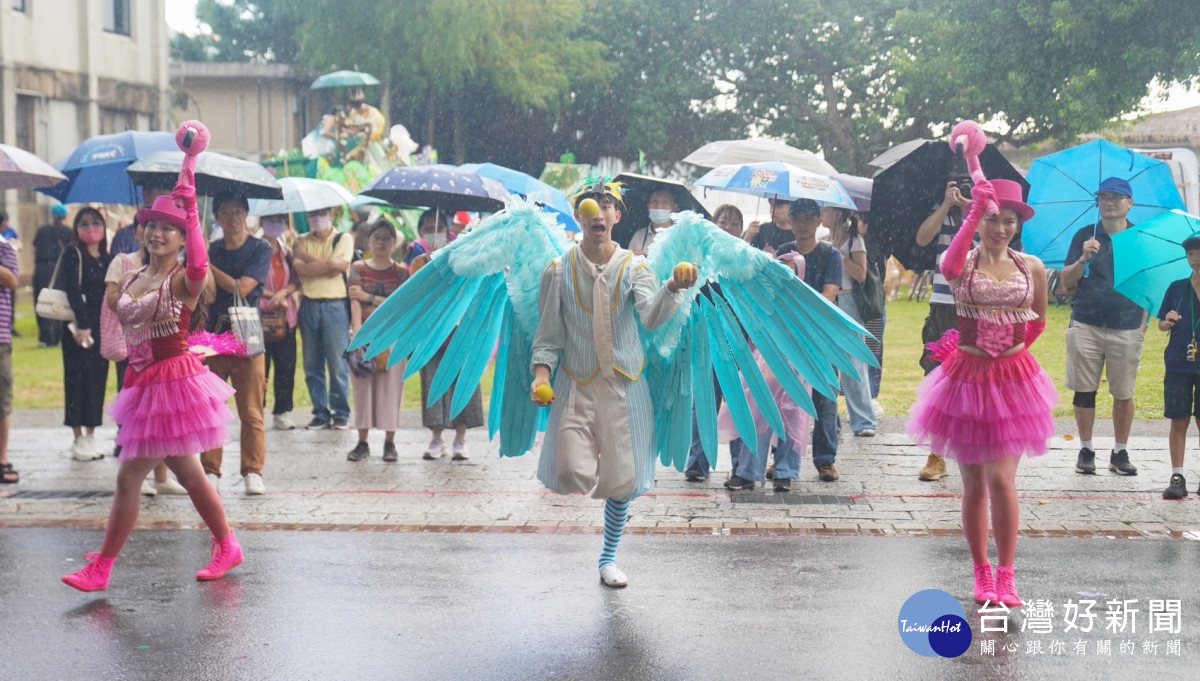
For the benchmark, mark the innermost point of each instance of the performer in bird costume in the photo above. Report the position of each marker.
(614, 347)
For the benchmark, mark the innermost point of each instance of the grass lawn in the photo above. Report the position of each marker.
(39, 380)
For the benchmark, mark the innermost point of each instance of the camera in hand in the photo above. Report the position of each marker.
(964, 187)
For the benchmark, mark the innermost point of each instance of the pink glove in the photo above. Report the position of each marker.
(1032, 331)
(197, 249)
(956, 255)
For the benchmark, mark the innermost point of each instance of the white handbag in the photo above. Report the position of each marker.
(52, 303)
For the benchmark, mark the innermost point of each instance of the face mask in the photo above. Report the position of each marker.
(320, 223)
(436, 240)
(660, 216)
(91, 236)
(274, 228)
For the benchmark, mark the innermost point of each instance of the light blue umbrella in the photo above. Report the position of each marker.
(1062, 191)
(1149, 256)
(531, 188)
(777, 181)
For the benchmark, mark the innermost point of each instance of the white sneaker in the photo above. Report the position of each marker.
(148, 489)
(254, 484)
(460, 451)
(82, 450)
(282, 422)
(611, 576)
(215, 480)
(435, 450)
(877, 408)
(170, 486)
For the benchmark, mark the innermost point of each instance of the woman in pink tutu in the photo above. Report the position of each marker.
(990, 401)
(172, 406)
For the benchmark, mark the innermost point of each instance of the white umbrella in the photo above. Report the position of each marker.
(20, 169)
(302, 195)
(738, 152)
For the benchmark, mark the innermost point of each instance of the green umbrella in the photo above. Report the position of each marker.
(344, 79)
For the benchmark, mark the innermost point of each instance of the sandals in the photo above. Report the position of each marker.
(8, 474)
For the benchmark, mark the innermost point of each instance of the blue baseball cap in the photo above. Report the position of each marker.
(1116, 185)
(59, 211)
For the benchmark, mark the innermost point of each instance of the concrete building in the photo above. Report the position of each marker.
(252, 110)
(71, 69)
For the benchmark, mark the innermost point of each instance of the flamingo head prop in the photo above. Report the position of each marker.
(970, 136)
(192, 137)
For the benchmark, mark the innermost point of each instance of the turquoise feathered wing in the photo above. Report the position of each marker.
(750, 298)
(476, 295)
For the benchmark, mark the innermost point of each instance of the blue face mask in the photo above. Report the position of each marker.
(660, 216)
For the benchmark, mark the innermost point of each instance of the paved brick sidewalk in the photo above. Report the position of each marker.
(312, 486)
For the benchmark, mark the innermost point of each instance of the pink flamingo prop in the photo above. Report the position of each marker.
(968, 139)
(192, 138)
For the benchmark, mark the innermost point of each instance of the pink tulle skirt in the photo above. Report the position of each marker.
(976, 409)
(174, 407)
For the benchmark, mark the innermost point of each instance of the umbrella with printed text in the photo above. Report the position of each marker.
(1063, 193)
(738, 152)
(95, 170)
(778, 181)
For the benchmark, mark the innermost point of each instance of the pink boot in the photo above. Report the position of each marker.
(985, 584)
(94, 577)
(226, 555)
(1006, 587)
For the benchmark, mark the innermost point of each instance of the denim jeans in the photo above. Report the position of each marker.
(754, 467)
(325, 333)
(857, 386)
(825, 430)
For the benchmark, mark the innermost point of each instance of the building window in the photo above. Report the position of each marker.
(18, 5)
(116, 16)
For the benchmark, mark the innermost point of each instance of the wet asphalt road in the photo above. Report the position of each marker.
(346, 605)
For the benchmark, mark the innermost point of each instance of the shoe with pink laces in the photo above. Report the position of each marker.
(94, 577)
(226, 555)
(1006, 587)
(985, 583)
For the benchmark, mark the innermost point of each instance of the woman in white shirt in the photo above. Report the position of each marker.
(856, 388)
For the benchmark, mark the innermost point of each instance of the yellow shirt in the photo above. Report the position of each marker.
(328, 286)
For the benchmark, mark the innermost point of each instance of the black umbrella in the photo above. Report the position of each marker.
(215, 173)
(910, 187)
(444, 187)
(638, 189)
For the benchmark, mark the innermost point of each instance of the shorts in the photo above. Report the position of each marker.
(1092, 350)
(1181, 395)
(6, 380)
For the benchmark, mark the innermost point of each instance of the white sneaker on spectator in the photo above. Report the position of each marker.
(282, 422)
(215, 480)
(877, 408)
(148, 488)
(170, 486)
(82, 450)
(254, 484)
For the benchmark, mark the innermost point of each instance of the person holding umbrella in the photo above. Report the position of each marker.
(1178, 316)
(1106, 331)
(661, 204)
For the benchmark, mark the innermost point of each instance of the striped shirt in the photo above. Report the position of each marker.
(8, 259)
(942, 295)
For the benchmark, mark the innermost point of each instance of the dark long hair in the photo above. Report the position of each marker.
(104, 257)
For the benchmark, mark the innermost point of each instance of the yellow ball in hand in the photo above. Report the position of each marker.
(588, 209)
(684, 270)
(543, 395)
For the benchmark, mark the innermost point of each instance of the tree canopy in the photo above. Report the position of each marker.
(521, 81)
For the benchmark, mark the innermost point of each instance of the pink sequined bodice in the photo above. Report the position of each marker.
(155, 323)
(992, 313)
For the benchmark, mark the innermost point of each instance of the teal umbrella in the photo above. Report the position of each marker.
(344, 79)
(1149, 256)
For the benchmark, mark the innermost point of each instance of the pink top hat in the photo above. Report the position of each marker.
(164, 210)
(1008, 195)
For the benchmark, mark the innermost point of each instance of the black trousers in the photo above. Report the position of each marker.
(282, 354)
(85, 376)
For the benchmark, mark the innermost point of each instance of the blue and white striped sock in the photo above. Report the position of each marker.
(615, 515)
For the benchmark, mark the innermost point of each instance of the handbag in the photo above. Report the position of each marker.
(274, 325)
(868, 295)
(246, 325)
(52, 303)
(112, 335)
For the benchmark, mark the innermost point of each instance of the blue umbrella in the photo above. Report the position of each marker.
(443, 187)
(777, 181)
(96, 169)
(531, 188)
(1063, 192)
(1148, 256)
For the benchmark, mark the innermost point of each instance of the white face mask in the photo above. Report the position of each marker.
(274, 227)
(320, 223)
(436, 240)
(660, 216)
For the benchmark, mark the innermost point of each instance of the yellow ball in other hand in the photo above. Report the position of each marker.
(684, 270)
(543, 395)
(588, 209)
